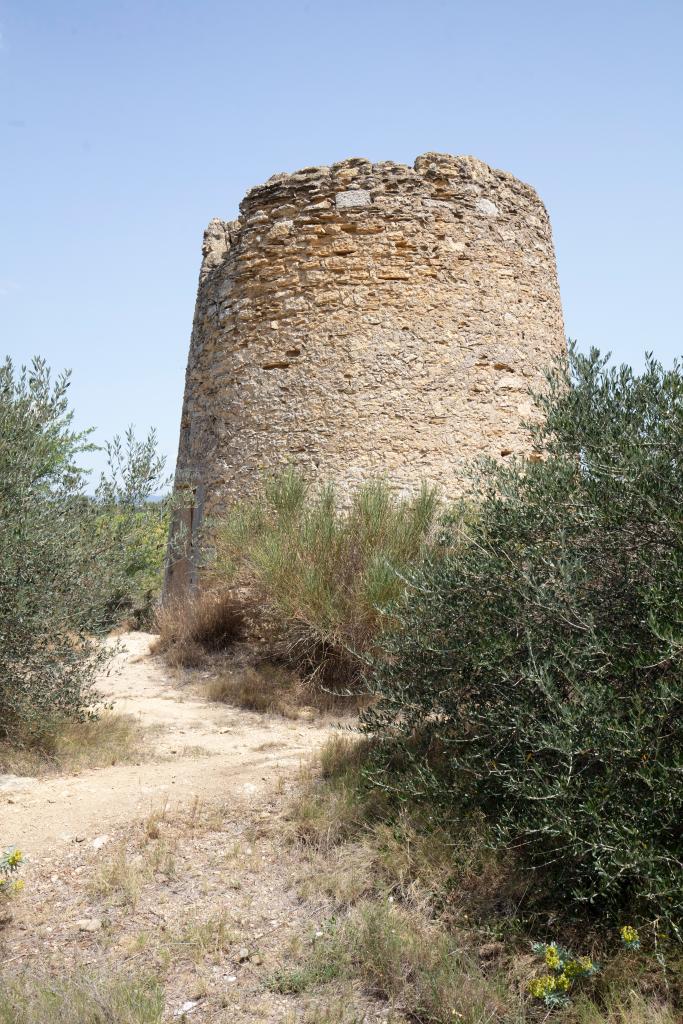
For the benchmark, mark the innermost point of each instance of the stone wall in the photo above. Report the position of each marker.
(366, 319)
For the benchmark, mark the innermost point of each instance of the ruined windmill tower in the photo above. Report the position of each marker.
(365, 320)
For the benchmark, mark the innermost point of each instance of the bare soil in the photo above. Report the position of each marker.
(179, 865)
(195, 749)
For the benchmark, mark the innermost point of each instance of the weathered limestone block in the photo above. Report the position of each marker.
(362, 320)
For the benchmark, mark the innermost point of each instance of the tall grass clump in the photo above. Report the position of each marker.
(325, 575)
(31, 998)
(534, 672)
(402, 958)
(203, 624)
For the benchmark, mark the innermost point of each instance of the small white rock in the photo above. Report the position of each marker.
(486, 207)
(89, 924)
(100, 841)
(187, 1007)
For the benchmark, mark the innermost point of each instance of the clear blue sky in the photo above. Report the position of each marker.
(126, 126)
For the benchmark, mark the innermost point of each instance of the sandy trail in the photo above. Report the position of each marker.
(197, 749)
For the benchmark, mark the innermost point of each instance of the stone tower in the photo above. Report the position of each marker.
(365, 320)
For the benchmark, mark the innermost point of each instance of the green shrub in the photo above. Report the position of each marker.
(70, 564)
(48, 659)
(325, 576)
(131, 527)
(535, 669)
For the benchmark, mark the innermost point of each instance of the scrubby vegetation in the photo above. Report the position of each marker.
(131, 529)
(71, 566)
(322, 579)
(534, 672)
(437, 919)
(71, 744)
(517, 790)
(520, 778)
(524, 651)
(81, 999)
(204, 623)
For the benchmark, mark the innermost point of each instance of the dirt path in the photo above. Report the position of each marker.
(197, 749)
(182, 871)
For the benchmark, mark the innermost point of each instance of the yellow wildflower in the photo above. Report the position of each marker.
(552, 957)
(15, 858)
(575, 968)
(541, 987)
(629, 935)
(563, 982)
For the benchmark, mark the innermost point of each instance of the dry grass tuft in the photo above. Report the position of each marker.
(340, 1010)
(633, 1008)
(204, 624)
(204, 939)
(266, 689)
(81, 998)
(402, 957)
(342, 755)
(429, 918)
(275, 689)
(129, 867)
(120, 878)
(332, 806)
(111, 738)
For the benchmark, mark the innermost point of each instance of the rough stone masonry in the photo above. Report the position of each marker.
(362, 320)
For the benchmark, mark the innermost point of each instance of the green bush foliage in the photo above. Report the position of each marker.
(131, 528)
(534, 671)
(69, 563)
(325, 575)
(11, 861)
(48, 658)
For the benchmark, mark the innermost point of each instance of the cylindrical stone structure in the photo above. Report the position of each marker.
(365, 320)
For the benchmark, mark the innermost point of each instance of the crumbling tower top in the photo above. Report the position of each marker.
(366, 319)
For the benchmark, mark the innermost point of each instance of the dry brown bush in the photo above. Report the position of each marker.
(197, 626)
(275, 689)
(247, 687)
(112, 738)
